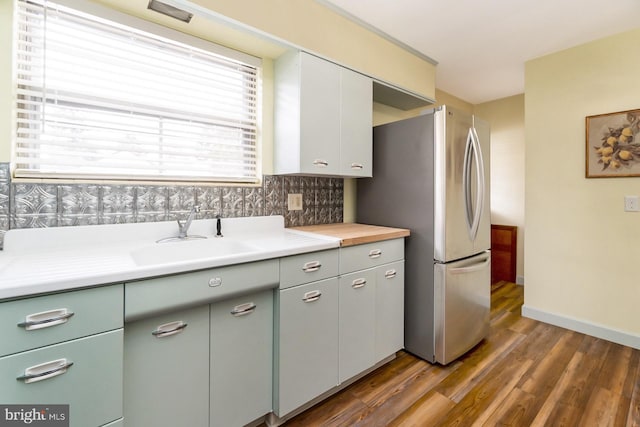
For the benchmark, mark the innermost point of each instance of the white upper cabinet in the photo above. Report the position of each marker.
(356, 124)
(323, 118)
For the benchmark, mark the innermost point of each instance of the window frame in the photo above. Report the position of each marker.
(139, 24)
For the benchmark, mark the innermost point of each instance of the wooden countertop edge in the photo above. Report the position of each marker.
(356, 234)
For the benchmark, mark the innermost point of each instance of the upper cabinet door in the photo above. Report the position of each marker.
(356, 131)
(319, 116)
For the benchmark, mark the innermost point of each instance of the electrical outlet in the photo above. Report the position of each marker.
(294, 202)
(631, 204)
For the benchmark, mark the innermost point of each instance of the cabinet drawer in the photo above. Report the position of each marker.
(79, 314)
(162, 294)
(369, 255)
(305, 268)
(92, 386)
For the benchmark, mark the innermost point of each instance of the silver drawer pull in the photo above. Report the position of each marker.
(46, 319)
(168, 329)
(312, 296)
(390, 274)
(320, 162)
(311, 266)
(243, 309)
(357, 166)
(375, 253)
(215, 282)
(358, 283)
(45, 371)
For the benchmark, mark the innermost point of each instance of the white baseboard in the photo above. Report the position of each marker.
(584, 327)
(519, 280)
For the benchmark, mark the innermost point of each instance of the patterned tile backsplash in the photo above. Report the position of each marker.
(25, 205)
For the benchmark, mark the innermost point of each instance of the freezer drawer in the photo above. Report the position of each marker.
(462, 293)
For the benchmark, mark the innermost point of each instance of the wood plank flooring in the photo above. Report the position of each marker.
(526, 373)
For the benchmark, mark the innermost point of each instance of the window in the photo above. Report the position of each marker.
(98, 99)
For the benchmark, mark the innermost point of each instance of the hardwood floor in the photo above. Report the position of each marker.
(526, 373)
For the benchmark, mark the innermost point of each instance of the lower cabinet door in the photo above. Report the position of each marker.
(85, 374)
(241, 359)
(389, 324)
(307, 343)
(357, 320)
(166, 370)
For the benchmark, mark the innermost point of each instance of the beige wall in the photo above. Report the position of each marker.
(581, 250)
(444, 98)
(506, 117)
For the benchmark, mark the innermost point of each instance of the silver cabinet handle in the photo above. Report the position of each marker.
(358, 283)
(243, 309)
(312, 296)
(375, 253)
(45, 371)
(46, 319)
(357, 166)
(311, 266)
(168, 329)
(390, 274)
(215, 282)
(320, 162)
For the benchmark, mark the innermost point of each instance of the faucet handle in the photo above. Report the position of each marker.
(218, 227)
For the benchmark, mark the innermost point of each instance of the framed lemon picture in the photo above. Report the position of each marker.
(613, 144)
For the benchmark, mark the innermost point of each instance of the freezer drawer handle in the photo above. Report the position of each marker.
(45, 371)
(357, 166)
(243, 309)
(321, 163)
(168, 329)
(312, 296)
(390, 274)
(375, 253)
(46, 319)
(359, 283)
(474, 267)
(311, 266)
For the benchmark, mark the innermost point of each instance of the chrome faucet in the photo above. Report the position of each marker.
(183, 226)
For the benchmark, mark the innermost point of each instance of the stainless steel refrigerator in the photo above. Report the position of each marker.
(431, 175)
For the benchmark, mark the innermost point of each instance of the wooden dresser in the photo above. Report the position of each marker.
(504, 252)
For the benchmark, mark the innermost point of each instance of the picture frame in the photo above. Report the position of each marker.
(613, 145)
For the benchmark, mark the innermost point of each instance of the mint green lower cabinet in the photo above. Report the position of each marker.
(357, 320)
(241, 359)
(306, 356)
(389, 323)
(91, 385)
(166, 370)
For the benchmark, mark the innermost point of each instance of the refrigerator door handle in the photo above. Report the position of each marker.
(473, 153)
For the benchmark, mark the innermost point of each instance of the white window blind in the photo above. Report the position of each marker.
(100, 100)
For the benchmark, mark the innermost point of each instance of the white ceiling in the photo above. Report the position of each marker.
(481, 45)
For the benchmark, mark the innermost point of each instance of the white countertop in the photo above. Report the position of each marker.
(45, 260)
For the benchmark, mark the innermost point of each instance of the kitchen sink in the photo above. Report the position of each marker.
(190, 250)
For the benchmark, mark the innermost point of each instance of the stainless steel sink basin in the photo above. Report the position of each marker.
(189, 250)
